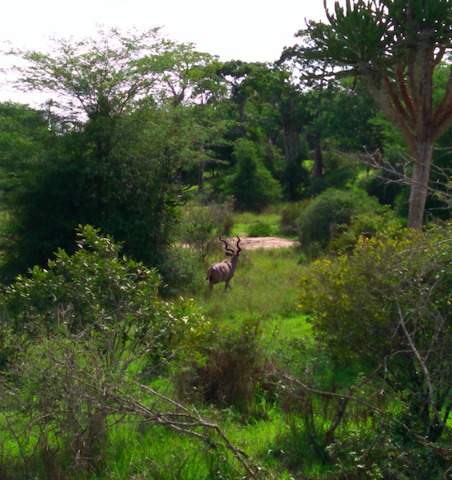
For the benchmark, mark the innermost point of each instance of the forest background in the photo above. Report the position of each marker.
(331, 359)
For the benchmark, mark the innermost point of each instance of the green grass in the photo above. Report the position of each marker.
(265, 286)
(257, 224)
(265, 289)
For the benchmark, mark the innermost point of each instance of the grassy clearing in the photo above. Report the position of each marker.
(265, 286)
(142, 452)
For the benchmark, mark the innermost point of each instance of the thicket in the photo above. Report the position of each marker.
(83, 334)
(251, 183)
(384, 311)
(329, 213)
(131, 194)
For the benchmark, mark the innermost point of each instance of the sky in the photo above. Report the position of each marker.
(251, 30)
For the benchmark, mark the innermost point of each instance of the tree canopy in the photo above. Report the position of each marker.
(395, 46)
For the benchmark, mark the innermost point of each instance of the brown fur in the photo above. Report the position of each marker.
(224, 271)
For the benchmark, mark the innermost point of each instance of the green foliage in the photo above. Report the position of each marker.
(183, 270)
(101, 76)
(290, 215)
(376, 186)
(340, 171)
(61, 407)
(322, 218)
(24, 135)
(389, 457)
(96, 292)
(130, 193)
(251, 184)
(201, 225)
(227, 370)
(365, 225)
(260, 229)
(245, 222)
(391, 295)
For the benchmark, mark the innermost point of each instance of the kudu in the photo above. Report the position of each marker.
(224, 271)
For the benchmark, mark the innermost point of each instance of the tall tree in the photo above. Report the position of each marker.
(395, 46)
(119, 169)
(280, 113)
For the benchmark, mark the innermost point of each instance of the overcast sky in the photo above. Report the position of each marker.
(233, 29)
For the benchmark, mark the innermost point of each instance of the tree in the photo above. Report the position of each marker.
(105, 75)
(269, 103)
(119, 169)
(251, 184)
(187, 76)
(395, 47)
(24, 136)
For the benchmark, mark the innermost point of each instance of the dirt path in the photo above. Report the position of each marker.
(266, 243)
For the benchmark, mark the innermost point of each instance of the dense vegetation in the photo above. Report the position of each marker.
(331, 359)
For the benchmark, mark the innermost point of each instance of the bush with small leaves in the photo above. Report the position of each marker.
(200, 225)
(328, 212)
(290, 215)
(226, 369)
(365, 225)
(97, 293)
(387, 307)
(260, 229)
(57, 405)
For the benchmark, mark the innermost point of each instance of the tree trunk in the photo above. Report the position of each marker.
(419, 184)
(202, 166)
(317, 170)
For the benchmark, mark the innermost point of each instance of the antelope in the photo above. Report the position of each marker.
(224, 271)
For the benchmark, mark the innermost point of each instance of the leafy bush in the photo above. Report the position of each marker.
(227, 370)
(260, 229)
(365, 225)
(61, 405)
(200, 225)
(290, 216)
(77, 333)
(183, 271)
(129, 191)
(340, 171)
(381, 306)
(386, 192)
(321, 219)
(251, 184)
(97, 292)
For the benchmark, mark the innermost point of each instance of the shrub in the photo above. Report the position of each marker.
(386, 192)
(290, 216)
(251, 183)
(366, 225)
(183, 271)
(200, 225)
(340, 170)
(96, 292)
(61, 405)
(381, 306)
(227, 370)
(77, 332)
(321, 219)
(260, 229)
